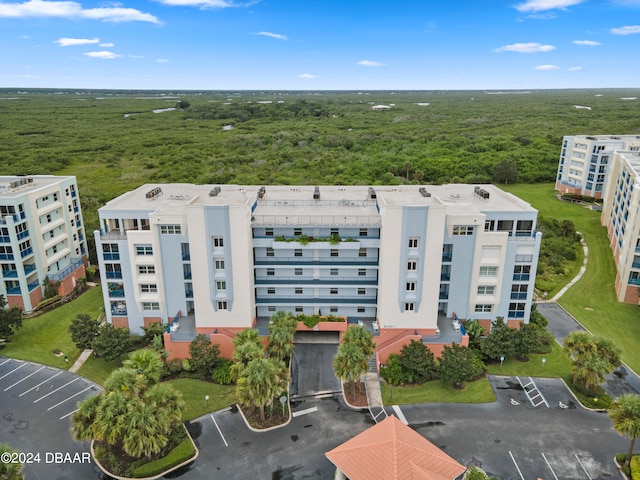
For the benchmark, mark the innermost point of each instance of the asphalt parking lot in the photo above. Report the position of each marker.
(36, 403)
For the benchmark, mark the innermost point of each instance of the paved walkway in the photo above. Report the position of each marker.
(80, 361)
(583, 269)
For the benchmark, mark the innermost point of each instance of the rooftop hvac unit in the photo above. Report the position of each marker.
(423, 192)
(372, 193)
(261, 192)
(316, 193)
(215, 191)
(481, 192)
(153, 193)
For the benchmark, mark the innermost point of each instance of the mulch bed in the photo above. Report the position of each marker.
(273, 417)
(360, 399)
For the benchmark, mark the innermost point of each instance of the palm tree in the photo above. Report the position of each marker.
(280, 341)
(10, 470)
(625, 415)
(349, 363)
(593, 357)
(361, 338)
(248, 335)
(242, 355)
(146, 362)
(260, 382)
(82, 420)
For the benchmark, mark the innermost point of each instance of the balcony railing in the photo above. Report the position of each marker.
(337, 261)
(5, 239)
(329, 299)
(116, 293)
(515, 314)
(111, 256)
(445, 277)
(33, 285)
(6, 256)
(634, 281)
(188, 293)
(23, 234)
(443, 295)
(518, 296)
(56, 277)
(519, 277)
(317, 220)
(447, 257)
(26, 252)
(113, 274)
(635, 265)
(14, 291)
(29, 268)
(10, 273)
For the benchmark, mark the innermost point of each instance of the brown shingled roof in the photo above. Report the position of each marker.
(391, 450)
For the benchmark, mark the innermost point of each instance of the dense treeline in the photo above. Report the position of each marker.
(113, 141)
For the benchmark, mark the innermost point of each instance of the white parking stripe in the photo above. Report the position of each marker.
(6, 361)
(549, 465)
(304, 412)
(41, 383)
(75, 395)
(33, 373)
(59, 388)
(514, 462)
(220, 432)
(400, 415)
(585, 470)
(70, 413)
(17, 368)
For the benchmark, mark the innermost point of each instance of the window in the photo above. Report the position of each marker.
(361, 310)
(297, 252)
(268, 232)
(333, 309)
(488, 271)
(186, 271)
(489, 225)
(364, 232)
(334, 272)
(270, 252)
(412, 265)
(186, 255)
(271, 271)
(409, 306)
(150, 306)
(413, 242)
(298, 291)
(299, 309)
(362, 252)
(334, 291)
(486, 289)
(222, 305)
(362, 272)
(334, 252)
(483, 308)
(298, 271)
(170, 230)
(219, 264)
(521, 272)
(297, 232)
(447, 252)
(362, 291)
(148, 288)
(218, 242)
(146, 269)
(516, 310)
(144, 250)
(221, 285)
(271, 291)
(461, 230)
(519, 291)
(411, 286)
(334, 232)
(271, 308)
(505, 225)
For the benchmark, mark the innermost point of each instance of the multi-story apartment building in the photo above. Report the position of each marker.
(585, 159)
(621, 217)
(41, 235)
(404, 257)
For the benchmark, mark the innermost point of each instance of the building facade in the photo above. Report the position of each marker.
(584, 162)
(41, 235)
(403, 257)
(621, 217)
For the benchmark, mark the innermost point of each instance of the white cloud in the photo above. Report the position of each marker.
(529, 47)
(370, 63)
(107, 45)
(70, 9)
(103, 54)
(542, 5)
(587, 43)
(575, 69)
(24, 36)
(628, 30)
(272, 35)
(307, 75)
(70, 42)
(198, 3)
(162, 60)
(546, 67)
(135, 56)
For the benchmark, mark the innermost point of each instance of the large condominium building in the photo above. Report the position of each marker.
(621, 216)
(228, 257)
(41, 235)
(585, 159)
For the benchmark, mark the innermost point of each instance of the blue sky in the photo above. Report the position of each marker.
(320, 44)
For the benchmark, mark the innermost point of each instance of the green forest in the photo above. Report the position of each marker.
(113, 141)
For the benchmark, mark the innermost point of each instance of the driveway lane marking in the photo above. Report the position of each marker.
(304, 412)
(32, 373)
(585, 470)
(6, 361)
(41, 383)
(59, 388)
(549, 465)
(219, 431)
(17, 368)
(517, 467)
(69, 398)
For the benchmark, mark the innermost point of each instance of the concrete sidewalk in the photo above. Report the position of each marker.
(80, 361)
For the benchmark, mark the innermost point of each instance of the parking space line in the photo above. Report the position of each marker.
(69, 398)
(32, 373)
(304, 412)
(68, 414)
(585, 470)
(549, 465)
(41, 383)
(6, 361)
(517, 467)
(17, 368)
(219, 431)
(399, 414)
(59, 388)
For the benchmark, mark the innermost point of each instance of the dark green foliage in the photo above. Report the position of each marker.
(204, 355)
(155, 329)
(84, 331)
(560, 242)
(459, 365)
(505, 171)
(475, 332)
(500, 341)
(111, 342)
(222, 372)
(530, 338)
(10, 470)
(10, 319)
(536, 318)
(593, 357)
(392, 371)
(417, 362)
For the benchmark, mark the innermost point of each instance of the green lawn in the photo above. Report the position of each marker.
(556, 364)
(98, 369)
(41, 336)
(438, 391)
(194, 392)
(592, 299)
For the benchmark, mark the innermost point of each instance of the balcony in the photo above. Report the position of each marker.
(335, 280)
(56, 277)
(331, 261)
(111, 256)
(515, 314)
(5, 239)
(520, 277)
(33, 285)
(23, 234)
(113, 275)
(26, 252)
(28, 269)
(73, 194)
(447, 257)
(329, 300)
(116, 293)
(635, 265)
(634, 281)
(6, 256)
(10, 273)
(188, 293)
(445, 277)
(14, 291)
(317, 220)
(518, 295)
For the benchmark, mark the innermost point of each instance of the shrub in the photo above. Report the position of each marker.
(173, 366)
(475, 473)
(635, 467)
(183, 452)
(186, 365)
(222, 373)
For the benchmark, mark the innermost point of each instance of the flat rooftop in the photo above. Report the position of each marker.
(15, 186)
